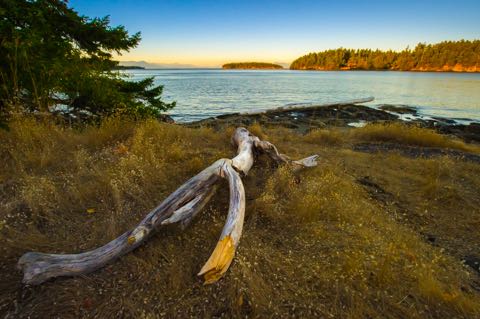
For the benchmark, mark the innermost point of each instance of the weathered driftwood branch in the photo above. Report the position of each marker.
(180, 207)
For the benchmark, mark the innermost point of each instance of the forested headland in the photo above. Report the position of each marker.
(252, 65)
(453, 56)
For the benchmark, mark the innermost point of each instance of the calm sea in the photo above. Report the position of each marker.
(202, 93)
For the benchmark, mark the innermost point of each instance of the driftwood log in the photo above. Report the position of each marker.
(180, 207)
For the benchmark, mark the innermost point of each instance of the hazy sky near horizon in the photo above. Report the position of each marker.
(210, 33)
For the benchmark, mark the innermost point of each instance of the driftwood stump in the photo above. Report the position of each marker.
(180, 207)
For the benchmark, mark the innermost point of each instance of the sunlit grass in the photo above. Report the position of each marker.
(316, 243)
(329, 137)
(409, 135)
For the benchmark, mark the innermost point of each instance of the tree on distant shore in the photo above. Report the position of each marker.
(55, 60)
(443, 56)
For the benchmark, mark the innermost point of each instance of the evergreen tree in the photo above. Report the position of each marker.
(53, 59)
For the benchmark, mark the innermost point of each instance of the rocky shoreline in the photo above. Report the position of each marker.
(343, 115)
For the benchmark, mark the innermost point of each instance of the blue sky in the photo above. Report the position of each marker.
(210, 33)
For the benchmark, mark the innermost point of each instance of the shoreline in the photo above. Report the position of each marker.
(383, 70)
(303, 70)
(343, 115)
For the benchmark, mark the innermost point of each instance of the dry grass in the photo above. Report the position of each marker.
(316, 243)
(332, 137)
(408, 135)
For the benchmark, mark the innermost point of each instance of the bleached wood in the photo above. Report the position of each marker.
(39, 267)
(245, 141)
(272, 152)
(224, 252)
(179, 207)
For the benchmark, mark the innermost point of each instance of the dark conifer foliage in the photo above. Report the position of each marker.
(55, 60)
(460, 55)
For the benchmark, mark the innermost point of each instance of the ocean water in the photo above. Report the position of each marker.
(202, 93)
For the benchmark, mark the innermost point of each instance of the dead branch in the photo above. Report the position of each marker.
(180, 207)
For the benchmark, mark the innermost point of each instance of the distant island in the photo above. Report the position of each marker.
(128, 67)
(252, 65)
(447, 56)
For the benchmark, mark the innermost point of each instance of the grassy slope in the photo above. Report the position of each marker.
(316, 243)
